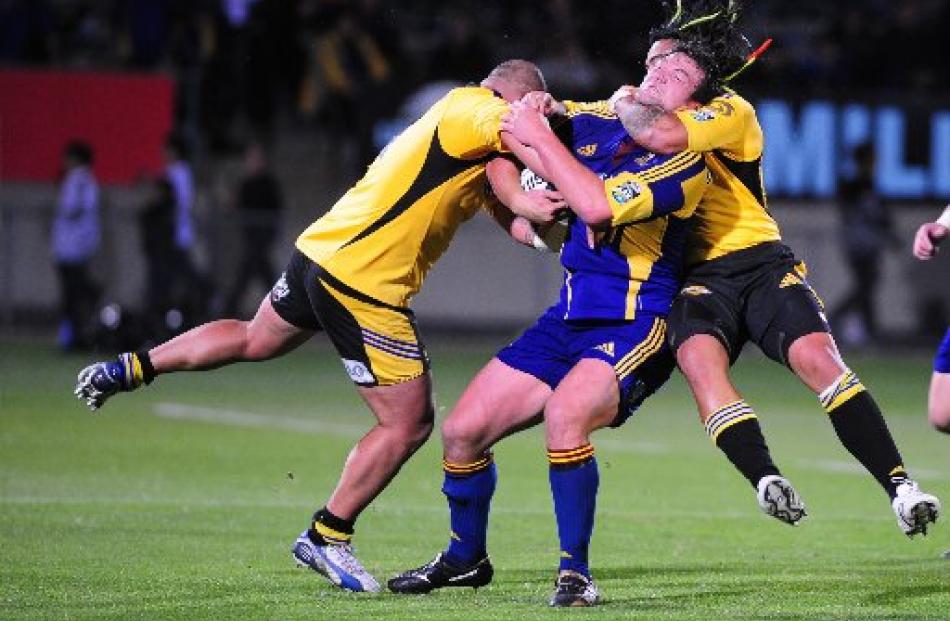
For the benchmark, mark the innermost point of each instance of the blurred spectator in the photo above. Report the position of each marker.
(75, 241)
(259, 203)
(157, 228)
(867, 228)
(356, 73)
(191, 289)
(179, 174)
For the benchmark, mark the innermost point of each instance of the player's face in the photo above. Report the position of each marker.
(672, 77)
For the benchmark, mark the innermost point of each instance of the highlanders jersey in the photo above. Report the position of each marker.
(385, 233)
(733, 214)
(635, 266)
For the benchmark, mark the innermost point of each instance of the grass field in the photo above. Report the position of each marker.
(182, 501)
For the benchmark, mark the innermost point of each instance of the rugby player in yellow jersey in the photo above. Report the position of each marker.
(352, 276)
(743, 284)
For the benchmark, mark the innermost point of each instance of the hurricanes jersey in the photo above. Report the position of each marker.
(733, 215)
(635, 266)
(385, 233)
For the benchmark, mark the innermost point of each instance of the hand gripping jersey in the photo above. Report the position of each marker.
(635, 266)
(733, 214)
(385, 233)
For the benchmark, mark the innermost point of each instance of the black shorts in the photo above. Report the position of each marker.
(379, 343)
(759, 294)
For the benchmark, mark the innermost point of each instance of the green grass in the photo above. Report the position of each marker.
(126, 514)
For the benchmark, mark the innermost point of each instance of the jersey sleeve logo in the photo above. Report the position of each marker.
(710, 111)
(626, 191)
(587, 150)
(703, 114)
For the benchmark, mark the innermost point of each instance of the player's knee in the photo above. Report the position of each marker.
(462, 435)
(257, 345)
(702, 357)
(565, 421)
(815, 359)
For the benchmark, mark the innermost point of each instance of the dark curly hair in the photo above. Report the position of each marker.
(706, 31)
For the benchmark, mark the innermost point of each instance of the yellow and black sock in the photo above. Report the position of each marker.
(862, 430)
(330, 529)
(734, 428)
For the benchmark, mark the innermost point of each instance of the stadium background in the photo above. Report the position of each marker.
(176, 505)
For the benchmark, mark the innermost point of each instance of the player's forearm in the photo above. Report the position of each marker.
(582, 189)
(653, 127)
(528, 156)
(505, 180)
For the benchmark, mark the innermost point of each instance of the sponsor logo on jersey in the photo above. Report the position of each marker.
(626, 191)
(643, 160)
(607, 348)
(695, 290)
(281, 289)
(703, 114)
(587, 150)
(358, 371)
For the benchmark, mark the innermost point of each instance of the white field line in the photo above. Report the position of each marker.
(236, 418)
(749, 512)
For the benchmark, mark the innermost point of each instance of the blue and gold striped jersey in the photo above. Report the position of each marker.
(636, 265)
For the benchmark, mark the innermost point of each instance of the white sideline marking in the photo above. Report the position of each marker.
(750, 512)
(853, 467)
(235, 418)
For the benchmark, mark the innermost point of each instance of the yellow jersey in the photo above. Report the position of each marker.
(384, 234)
(733, 213)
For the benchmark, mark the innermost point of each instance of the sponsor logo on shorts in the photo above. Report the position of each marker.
(587, 150)
(790, 280)
(281, 289)
(607, 348)
(626, 191)
(358, 372)
(695, 290)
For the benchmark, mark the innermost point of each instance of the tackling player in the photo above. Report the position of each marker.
(352, 275)
(744, 284)
(926, 244)
(595, 355)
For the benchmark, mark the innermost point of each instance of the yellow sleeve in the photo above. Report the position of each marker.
(726, 124)
(634, 197)
(471, 126)
(598, 108)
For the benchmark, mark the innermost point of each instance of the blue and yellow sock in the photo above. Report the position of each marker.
(574, 482)
(469, 489)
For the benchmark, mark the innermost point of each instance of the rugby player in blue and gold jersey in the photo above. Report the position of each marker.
(352, 276)
(596, 354)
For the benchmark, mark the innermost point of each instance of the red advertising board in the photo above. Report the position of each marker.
(125, 117)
